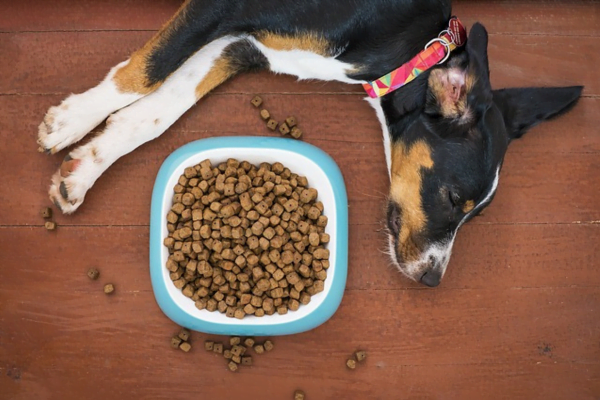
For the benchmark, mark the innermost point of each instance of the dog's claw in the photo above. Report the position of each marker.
(63, 191)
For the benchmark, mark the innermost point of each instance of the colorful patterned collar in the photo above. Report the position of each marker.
(436, 51)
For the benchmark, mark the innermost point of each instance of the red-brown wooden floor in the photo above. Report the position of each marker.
(517, 316)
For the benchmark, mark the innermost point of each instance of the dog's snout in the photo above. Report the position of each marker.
(431, 278)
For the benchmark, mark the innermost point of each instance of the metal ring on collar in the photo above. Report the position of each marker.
(445, 44)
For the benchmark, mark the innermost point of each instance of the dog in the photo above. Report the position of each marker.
(445, 133)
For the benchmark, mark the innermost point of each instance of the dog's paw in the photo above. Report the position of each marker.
(64, 125)
(76, 175)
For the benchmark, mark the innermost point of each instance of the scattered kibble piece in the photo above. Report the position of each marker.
(185, 346)
(265, 114)
(109, 288)
(218, 348)
(291, 121)
(298, 395)
(235, 340)
(175, 342)
(360, 355)
(227, 354)
(249, 342)
(296, 133)
(208, 345)
(284, 129)
(247, 360)
(232, 366)
(93, 273)
(268, 345)
(272, 124)
(184, 334)
(351, 363)
(257, 101)
(259, 349)
(50, 225)
(47, 213)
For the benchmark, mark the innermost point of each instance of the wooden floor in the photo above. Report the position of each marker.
(517, 316)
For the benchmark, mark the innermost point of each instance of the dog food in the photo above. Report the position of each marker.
(93, 273)
(50, 225)
(296, 133)
(272, 124)
(284, 129)
(351, 363)
(265, 115)
(209, 345)
(109, 288)
(184, 334)
(360, 355)
(291, 122)
(185, 346)
(257, 101)
(246, 240)
(175, 342)
(298, 395)
(232, 366)
(47, 213)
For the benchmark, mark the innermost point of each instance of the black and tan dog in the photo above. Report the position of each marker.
(445, 133)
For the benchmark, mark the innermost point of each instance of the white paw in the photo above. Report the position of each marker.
(66, 124)
(76, 175)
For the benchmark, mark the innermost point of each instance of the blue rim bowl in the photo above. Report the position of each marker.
(302, 158)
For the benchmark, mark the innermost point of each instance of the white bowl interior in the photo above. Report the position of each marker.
(297, 163)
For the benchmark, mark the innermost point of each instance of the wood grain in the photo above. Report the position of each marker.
(580, 17)
(516, 316)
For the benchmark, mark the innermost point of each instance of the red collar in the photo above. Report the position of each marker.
(436, 52)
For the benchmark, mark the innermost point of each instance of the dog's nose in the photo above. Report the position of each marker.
(431, 278)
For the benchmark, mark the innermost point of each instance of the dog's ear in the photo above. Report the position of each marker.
(477, 48)
(524, 108)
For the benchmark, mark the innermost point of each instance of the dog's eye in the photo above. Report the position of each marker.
(454, 198)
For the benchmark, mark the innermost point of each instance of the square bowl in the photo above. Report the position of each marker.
(323, 174)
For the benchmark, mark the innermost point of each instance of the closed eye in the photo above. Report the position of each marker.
(454, 198)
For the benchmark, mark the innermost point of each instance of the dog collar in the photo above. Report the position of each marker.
(437, 51)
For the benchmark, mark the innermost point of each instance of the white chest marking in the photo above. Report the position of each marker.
(376, 104)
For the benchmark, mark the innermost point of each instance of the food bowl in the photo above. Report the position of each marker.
(304, 159)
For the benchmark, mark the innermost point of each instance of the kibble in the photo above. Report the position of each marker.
(184, 334)
(50, 225)
(257, 101)
(93, 273)
(246, 240)
(185, 346)
(298, 395)
(47, 213)
(350, 363)
(109, 288)
(175, 342)
(360, 355)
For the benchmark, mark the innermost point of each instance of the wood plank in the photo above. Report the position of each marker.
(545, 185)
(500, 257)
(495, 336)
(499, 16)
(73, 66)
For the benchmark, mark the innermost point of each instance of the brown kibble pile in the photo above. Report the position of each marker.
(237, 352)
(288, 127)
(47, 214)
(246, 240)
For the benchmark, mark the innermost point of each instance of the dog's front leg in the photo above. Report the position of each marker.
(142, 121)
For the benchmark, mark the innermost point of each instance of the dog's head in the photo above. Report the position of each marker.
(446, 154)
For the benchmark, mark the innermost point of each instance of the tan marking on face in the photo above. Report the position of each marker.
(452, 100)
(132, 78)
(407, 164)
(468, 206)
(307, 41)
(219, 73)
